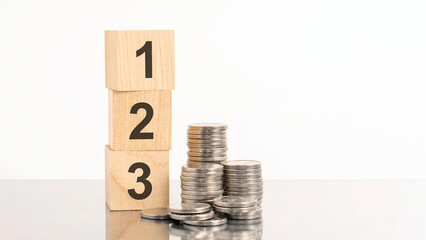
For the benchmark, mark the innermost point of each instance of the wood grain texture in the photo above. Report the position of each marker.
(126, 72)
(128, 225)
(122, 122)
(118, 179)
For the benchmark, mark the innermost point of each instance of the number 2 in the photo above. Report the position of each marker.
(147, 49)
(137, 132)
(141, 179)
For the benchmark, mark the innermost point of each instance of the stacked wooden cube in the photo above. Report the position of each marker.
(139, 72)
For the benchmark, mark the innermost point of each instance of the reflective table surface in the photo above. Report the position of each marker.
(293, 209)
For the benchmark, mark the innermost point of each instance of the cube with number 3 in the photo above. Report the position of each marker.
(140, 120)
(139, 60)
(136, 179)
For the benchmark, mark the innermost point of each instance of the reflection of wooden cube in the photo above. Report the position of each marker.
(140, 120)
(140, 60)
(127, 225)
(136, 179)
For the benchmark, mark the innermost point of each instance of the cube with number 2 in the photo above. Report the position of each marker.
(140, 120)
(136, 179)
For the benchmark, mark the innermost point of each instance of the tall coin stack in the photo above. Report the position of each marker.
(202, 177)
(243, 178)
(207, 143)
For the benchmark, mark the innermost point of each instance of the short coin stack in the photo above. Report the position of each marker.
(207, 142)
(235, 207)
(243, 178)
(201, 182)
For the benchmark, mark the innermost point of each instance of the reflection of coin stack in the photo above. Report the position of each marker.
(243, 178)
(207, 142)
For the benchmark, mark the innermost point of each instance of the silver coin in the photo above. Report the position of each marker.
(202, 193)
(216, 221)
(208, 150)
(207, 155)
(209, 201)
(155, 213)
(237, 185)
(195, 162)
(202, 168)
(242, 181)
(200, 197)
(254, 221)
(202, 178)
(250, 172)
(250, 215)
(189, 208)
(208, 126)
(234, 210)
(241, 164)
(192, 217)
(201, 184)
(244, 189)
(197, 175)
(209, 188)
(207, 141)
(235, 202)
(258, 193)
(206, 146)
(207, 137)
(238, 176)
(202, 159)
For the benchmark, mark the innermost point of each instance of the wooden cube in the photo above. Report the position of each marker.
(140, 60)
(140, 120)
(128, 225)
(136, 179)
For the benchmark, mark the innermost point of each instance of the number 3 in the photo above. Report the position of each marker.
(141, 179)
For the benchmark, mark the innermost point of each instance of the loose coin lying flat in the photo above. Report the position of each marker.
(216, 221)
(241, 164)
(192, 217)
(234, 201)
(155, 213)
(192, 208)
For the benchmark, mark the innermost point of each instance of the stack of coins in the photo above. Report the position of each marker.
(236, 207)
(243, 178)
(201, 182)
(190, 211)
(207, 142)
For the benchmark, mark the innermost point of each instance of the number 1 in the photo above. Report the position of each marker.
(147, 49)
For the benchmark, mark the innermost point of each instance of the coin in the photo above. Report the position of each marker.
(241, 164)
(244, 189)
(231, 201)
(206, 145)
(216, 221)
(202, 184)
(242, 181)
(202, 159)
(209, 201)
(202, 174)
(229, 193)
(208, 126)
(206, 141)
(250, 215)
(241, 175)
(202, 179)
(236, 185)
(202, 193)
(184, 208)
(200, 197)
(238, 210)
(207, 154)
(203, 168)
(155, 213)
(186, 217)
(194, 150)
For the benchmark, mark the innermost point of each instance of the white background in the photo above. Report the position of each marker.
(313, 89)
